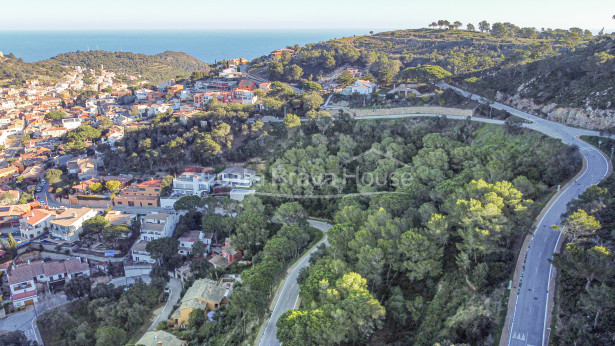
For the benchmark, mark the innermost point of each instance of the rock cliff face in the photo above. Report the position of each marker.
(593, 119)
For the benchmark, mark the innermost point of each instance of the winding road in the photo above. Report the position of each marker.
(289, 295)
(528, 322)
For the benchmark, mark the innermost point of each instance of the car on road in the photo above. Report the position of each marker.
(166, 289)
(43, 181)
(43, 203)
(39, 189)
(165, 297)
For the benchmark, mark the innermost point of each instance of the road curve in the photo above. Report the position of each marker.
(290, 290)
(528, 324)
(531, 312)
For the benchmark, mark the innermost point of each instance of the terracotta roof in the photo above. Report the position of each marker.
(23, 295)
(151, 183)
(20, 274)
(38, 268)
(53, 268)
(37, 215)
(75, 266)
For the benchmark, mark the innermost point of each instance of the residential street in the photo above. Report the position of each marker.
(290, 291)
(25, 320)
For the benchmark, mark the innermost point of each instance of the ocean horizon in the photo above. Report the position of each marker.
(206, 45)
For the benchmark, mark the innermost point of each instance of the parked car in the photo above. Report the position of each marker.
(166, 289)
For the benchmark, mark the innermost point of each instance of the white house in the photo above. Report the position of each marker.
(35, 223)
(362, 87)
(193, 183)
(139, 254)
(68, 225)
(158, 225)
(237, 177)
(142, 94)
(23, 288)
(201, 85)
(71, 123)
(187, 241)
(246, 96)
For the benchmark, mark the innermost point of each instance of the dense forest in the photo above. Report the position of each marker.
(156, 68)
(585, 302)
(426, 255)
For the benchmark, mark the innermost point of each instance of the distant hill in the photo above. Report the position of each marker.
(14, 68)
(458, 51)
(156, 68)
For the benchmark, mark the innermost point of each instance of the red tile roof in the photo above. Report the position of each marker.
(24, 295)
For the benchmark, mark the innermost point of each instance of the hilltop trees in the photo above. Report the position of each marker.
(349, 314)
(484, 26)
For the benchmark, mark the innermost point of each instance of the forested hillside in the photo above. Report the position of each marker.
(155, 68)
(16, 69)
(426, 256)
(456, 50)
(581, 79)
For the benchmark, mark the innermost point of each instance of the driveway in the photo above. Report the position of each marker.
(175, 287)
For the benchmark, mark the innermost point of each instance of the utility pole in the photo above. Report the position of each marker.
(612, 153)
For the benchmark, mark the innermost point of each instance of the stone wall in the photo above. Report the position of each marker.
(405, 110)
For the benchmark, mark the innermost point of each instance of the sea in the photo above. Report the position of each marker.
(208, 46)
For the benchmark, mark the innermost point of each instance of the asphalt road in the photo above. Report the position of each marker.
(26, 320)
(290, 291)
(175, 288)
(531, 312)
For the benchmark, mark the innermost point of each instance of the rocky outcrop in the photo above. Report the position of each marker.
(594, 119)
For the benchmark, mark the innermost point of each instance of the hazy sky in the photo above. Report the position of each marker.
(302, 14)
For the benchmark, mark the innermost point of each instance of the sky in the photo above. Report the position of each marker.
(300, 15)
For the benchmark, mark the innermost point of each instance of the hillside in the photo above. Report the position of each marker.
(385, 54)
(15, 68)
(155, 68)
(575, 87)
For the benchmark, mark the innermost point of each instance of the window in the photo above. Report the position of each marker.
(141, 189)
